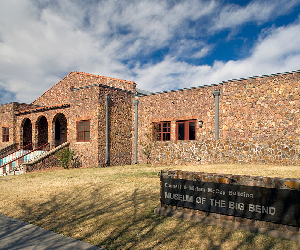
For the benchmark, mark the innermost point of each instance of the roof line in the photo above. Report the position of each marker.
(101, 85)
(102, 77)
(51, 87)
(43, 108)
(227, 81)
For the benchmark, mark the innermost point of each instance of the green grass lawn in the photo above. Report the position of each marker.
(113, 208)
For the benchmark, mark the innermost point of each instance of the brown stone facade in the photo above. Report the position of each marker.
(279, 152)
(258, 121)
(7, 121)
(60, 92)
(260, 109)
(53, 118)
(197, 103)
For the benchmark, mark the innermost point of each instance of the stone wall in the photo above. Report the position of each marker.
(262, 108)
(259, 112)
(60, 92)
(80, 79)
(84, 105)
(173, 106)
(280, 152)
(48, 160)
(246, 180)
(7, 119)
(89, 104)
(120, 126)
(8, 150)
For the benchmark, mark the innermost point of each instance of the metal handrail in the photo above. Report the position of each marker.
(9, 148)
(24, 155)
(18, 149)
(47, 154)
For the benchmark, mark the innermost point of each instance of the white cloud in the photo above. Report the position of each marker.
(278, 52)
(42, 41)
(232, 16)
(149, 25)
(40, 44)
(190, 48)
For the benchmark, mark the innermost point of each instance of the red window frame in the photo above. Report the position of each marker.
(83, 131)
(5, 134)
(162, 131)
(185, 131)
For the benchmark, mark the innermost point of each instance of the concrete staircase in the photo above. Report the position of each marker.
(11, 164)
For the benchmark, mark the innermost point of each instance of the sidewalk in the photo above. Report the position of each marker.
(16, 234)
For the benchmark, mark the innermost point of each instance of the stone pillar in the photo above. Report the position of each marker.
(107, 98)
(136, 103)
(216, 94)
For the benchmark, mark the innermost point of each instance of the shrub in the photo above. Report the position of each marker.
(65, 156)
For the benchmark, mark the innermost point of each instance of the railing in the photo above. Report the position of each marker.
(41, 162)
(8, 149)
(15, 163)
(13, 155)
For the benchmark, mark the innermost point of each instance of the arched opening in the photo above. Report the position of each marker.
(27, 134)
(60, 129)
(57, 130)
(42, 131)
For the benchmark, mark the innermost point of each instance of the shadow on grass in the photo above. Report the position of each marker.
(125, 220)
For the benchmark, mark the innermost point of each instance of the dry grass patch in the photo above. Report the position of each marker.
(113, 208)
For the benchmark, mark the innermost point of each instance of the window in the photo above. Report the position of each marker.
(5, 134)
(186, 130)
(83, 131)
(162, 131)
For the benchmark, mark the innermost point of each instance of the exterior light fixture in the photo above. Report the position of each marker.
(200, 124)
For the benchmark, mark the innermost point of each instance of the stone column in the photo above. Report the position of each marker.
(136, 103)
(107, 98)
(216, 94)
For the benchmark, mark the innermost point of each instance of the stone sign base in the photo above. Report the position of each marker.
(231, 222)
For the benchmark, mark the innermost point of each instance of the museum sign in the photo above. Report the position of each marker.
(252, 202)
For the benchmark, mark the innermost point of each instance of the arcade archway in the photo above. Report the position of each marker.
(60, 126)
(42, 131)
(26, 134)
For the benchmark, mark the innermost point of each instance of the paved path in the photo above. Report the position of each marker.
(16, 234)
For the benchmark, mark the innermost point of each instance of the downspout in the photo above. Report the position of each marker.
(136, 103)
(107, 98)
(216, 94)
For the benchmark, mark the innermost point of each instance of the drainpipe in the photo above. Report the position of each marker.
(107, 98)
(216, 94)
(136, 103)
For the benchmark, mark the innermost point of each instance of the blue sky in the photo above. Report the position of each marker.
(161, 45)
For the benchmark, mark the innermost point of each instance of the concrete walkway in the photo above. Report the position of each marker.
(16, 234)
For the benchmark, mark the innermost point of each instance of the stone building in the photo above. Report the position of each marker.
(74, 110)
(111, 122)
